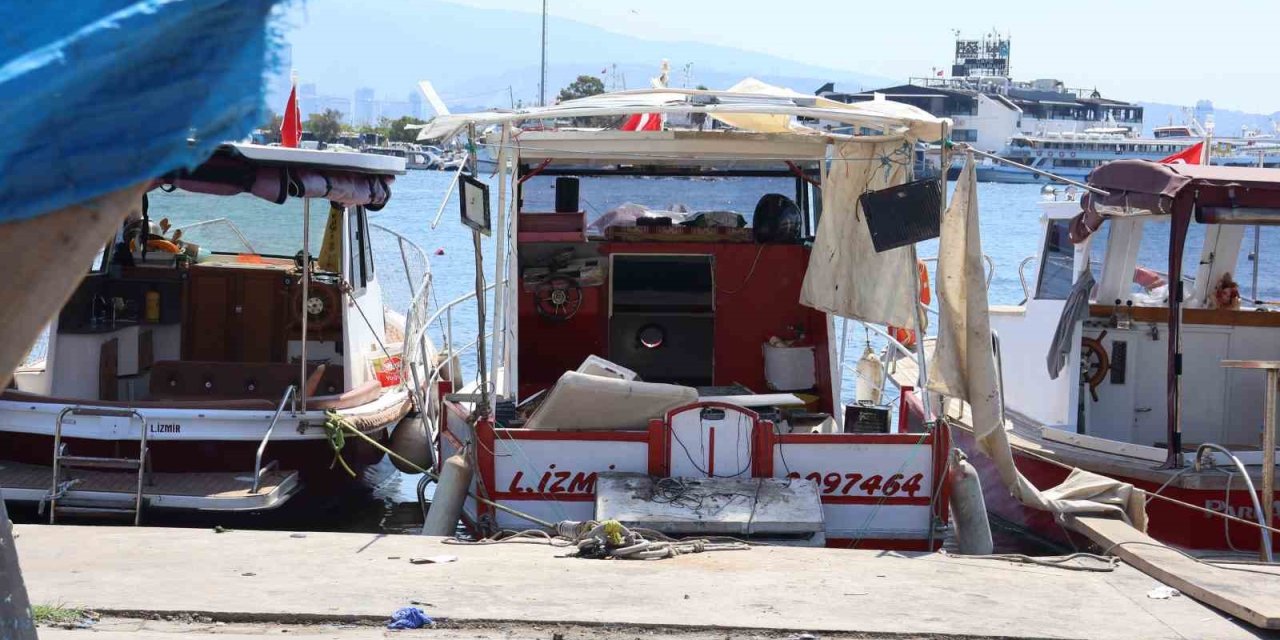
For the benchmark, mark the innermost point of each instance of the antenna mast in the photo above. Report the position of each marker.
(542, 86)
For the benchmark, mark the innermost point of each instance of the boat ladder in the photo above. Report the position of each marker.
(61, 493)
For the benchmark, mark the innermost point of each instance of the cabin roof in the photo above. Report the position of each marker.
(753, 106)
(272, 156)
(683, 148)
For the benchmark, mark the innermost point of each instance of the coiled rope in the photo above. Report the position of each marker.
(611, 540)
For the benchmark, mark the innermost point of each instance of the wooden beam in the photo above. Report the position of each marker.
(1218, 317)
(16, 621)
(1252, 597)
(46, 257)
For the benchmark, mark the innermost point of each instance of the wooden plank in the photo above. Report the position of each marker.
(1141, 452)
(1218, 317)
(108, 370)
(1252, 597)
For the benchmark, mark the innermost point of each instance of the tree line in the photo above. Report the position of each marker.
(329, 126)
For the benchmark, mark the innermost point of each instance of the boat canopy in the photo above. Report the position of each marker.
(751, 105)
(1143, 187)
(277, 173)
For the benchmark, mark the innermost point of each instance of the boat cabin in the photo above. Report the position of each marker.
(237, 305)
(1228, 301)
(649, 333)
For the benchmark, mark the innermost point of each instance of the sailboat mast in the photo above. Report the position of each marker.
(542, 86)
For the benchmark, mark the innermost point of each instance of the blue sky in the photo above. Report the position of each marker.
(1161, 51)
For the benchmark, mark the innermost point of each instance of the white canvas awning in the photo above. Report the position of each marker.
(751, 105)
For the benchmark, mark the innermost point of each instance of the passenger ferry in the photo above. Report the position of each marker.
(1073, 155)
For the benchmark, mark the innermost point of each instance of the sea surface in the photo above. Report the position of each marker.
(1009, 218)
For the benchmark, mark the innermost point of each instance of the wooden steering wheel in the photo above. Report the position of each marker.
(1094, 363)
(558, 298)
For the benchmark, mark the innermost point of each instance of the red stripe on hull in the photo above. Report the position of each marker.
(312, 458)
(1167, 522)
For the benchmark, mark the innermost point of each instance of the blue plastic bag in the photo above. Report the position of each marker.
(408, 618)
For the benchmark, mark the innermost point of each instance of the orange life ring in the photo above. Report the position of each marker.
(906, 336)
(156, 244)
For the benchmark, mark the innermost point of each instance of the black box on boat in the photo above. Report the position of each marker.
(866, 418)
(904, 214)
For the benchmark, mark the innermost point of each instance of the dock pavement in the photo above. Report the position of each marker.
(319, 579)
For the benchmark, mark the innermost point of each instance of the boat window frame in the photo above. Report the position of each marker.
(359, 261)
(1061, 227)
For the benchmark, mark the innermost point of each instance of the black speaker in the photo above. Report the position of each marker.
(567, 195)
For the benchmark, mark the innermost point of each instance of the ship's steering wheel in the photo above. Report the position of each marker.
(1094, 363)
(558, 298)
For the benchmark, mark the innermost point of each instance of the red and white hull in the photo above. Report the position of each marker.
(1168, 522)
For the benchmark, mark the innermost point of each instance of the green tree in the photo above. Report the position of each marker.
(397, 132)
(325, 126)
(582, 87)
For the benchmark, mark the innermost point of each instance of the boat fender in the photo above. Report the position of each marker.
(412, 440)
(870, 382)
(968, 509)
(451, 495)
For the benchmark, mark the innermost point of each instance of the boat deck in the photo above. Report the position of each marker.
(1099, 455)
(212, 491)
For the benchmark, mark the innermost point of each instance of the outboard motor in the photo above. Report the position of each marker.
(776, 220)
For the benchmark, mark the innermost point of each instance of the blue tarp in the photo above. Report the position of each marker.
(97, 95)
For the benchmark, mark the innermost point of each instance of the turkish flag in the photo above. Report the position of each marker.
(1190, 155)
(291, 127)
(643, 122)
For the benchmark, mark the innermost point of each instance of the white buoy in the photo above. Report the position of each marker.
(451, 494)
(968, 509)
(412, 440)
(870, 378)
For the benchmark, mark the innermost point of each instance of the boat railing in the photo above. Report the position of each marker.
(223, 221)
(414, 365)
(1022, 278)
(258, 469)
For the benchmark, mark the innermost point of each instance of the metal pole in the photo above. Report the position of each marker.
(500, 262)
(482, 406)
(1269, 454)
(1257, 246)
(542, 86)
(306, 286)
(1040, 172)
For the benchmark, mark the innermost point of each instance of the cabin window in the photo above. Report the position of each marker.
(361, 253)
(965, 135)
(1056, 258)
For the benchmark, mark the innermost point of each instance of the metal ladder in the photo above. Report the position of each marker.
(58, 489)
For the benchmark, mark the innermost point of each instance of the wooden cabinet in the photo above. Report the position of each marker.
(236, 314)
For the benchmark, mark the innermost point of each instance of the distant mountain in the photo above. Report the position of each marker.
(472, 55)
(1226, 121)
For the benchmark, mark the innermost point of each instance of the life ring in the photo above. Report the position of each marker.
(1094, 363)
(905, 336)
(1073, 154)
(156, 244)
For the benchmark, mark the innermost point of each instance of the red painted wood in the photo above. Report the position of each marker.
(658, 457)
(575, 436)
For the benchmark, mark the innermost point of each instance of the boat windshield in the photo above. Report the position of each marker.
(238, 224)
(599, 195)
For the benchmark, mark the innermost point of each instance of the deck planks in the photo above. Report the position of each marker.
(1253, 597)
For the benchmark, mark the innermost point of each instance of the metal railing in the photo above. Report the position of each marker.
(230, 225)
(258, 470)
(1022, 277)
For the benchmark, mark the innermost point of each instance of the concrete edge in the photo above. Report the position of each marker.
(485, 623)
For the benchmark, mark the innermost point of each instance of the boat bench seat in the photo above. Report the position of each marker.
(194, 380)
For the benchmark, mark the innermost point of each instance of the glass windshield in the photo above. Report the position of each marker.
(239, 224)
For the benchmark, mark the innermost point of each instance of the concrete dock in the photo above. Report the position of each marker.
(282, 577)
